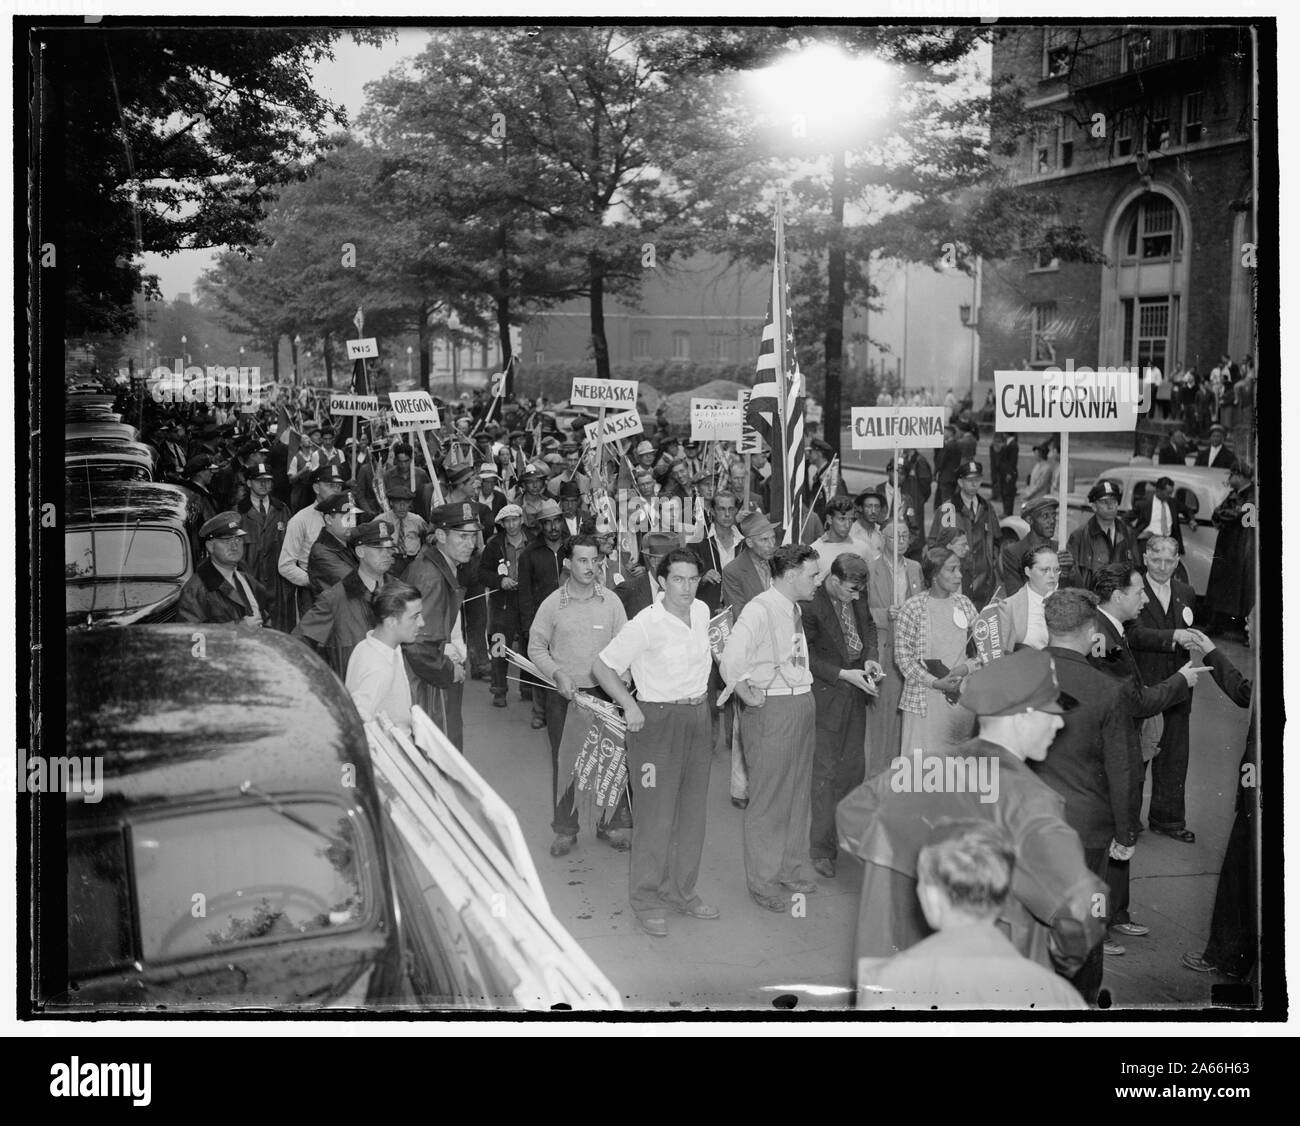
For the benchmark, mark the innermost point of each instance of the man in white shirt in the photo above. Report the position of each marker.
(865, 530)
(669, 745)
(766, 664)
(376, 674)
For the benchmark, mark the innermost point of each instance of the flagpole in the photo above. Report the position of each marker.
(897, 450)
(782, 382)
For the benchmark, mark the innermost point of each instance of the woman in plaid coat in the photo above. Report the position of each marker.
(934, 626)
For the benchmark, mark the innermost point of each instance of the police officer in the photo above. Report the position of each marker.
(1103, 539)
(331, 558)
(1050, 916)
(340, 618)
(974, 516)
(220, 590)
(264, 518)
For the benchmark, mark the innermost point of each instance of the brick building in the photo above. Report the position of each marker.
(1142, 135)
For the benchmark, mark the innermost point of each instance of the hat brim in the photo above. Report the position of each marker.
(1063, 704)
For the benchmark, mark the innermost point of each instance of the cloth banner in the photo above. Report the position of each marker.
(987, 634)
(594, 754)
(719, 630)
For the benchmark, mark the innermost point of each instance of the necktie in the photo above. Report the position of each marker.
(1164, 519)
(765, 573)
(401, 532)
(851, 639)
(799, 652)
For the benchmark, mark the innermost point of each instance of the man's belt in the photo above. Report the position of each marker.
(801, 690)
(691, 701)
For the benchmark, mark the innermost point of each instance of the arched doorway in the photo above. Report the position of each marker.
(1144, 289)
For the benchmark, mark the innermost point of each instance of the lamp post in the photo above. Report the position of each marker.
(185, 350)
(297, 342)
(834, 98)
(409, 352)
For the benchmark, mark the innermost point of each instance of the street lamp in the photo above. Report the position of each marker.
(184, 350)
(409, 351)
(297, 343)
(832, 99)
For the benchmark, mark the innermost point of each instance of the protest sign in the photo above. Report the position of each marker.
(366, 349)
(616, 394)
(354, 404)
(414, 409)
(1077, 399)
(622, 425)
(884, 428)
(750, 442)
(716, 420)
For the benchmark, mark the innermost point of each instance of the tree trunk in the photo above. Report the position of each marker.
(329, 361)
(422, 334)
(293, 352)
(835, 310)
(275, 359)
(599, 345)
(503, 298)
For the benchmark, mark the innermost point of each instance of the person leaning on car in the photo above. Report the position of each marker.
(220, 590)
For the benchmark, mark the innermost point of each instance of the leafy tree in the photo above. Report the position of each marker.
(166, 138)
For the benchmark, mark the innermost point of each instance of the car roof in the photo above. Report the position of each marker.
(98, 428)
(118, 502)
(258, 706)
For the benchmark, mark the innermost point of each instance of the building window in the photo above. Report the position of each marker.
(1124, 135)
(1193, 127)
(640, 345)
(681, 345)
(539, 357)
(1158, 136)
(718, 346)
(1056, 52)
(1045, 142)
(1067, 140)
(1154, 233)
(1042, 350)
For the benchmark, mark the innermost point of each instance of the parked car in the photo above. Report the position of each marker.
(1201, 490)
(100, 430)
(254, 845)
(128, 550)
(87, 461)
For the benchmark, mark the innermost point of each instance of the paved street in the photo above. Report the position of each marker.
(750, 957)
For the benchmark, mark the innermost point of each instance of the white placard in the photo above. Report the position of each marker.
(1073, 400)
(615, 394)
(622, 425)
(716, 420)
(414, 409)
(750, 442)
(883, 428)
(365, 349)
(354, 404)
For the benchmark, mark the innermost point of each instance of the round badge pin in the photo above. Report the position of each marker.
(959, 618)
(1188, 616)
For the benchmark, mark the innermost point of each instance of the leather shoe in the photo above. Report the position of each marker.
(1186, 836)
(498, 701)
(617, 839)
(700, 910)
(1114, 949)
(824, 866)
(804, 887)
(1199, 963)
(740, 803)
(539, 722)
(771, 902)
(562, 845)
(1133, 930)
(655, 925)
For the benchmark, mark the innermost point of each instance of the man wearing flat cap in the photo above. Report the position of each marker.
(971, 514)
(331, 557)
(439, 658)
(1051, 916)
(341, 617)
(498, 571)
(220, 590)
(1041, 515)
(304, 528)
(1103, 539)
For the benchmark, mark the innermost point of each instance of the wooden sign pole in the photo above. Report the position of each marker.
(1065, 476)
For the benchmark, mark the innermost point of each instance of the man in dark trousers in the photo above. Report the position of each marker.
(331, 558)
(1004, 464)
(440, 657)
(1103, 539)
(1050, 916)
(220, 590)
(498, 571)
(842, 654)
(539, 574)
(1095, 762)
(1158, 514)
(1230, 589)
(264, 519)
(1160, 637)
(946, 462)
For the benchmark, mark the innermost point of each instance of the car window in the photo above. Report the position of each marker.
(1191, 503)
(1141, 488)
(124, 550)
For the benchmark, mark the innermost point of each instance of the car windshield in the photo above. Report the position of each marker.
(123, 550)
(211, 881)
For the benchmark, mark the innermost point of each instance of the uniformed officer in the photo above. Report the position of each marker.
(1103, 539)
(1051, 915)
(342, 615)
(265, 518)
(974, 516)
(220, 590)
(331, 557)
(438, 657)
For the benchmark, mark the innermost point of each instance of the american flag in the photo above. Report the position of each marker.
(776, 406)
